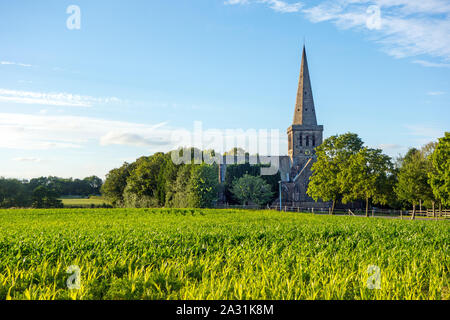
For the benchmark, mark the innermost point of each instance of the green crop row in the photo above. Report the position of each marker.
(219, 254)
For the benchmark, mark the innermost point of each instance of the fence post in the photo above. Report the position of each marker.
(285, 208)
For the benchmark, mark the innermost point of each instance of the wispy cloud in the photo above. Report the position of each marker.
(435, 93)
(15, 64)
(276, 5)
(390, 147)
(431, 64)
(423, 133)
(43, 132)
(407, 27)
(26, 159)
(53, 99)
(132, 139)
(404, 28)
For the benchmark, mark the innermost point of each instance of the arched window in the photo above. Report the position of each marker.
(296, 193)
(307, 141)
(301, 139)
(314, 140)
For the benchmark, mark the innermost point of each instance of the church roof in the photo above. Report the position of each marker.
(304, 113)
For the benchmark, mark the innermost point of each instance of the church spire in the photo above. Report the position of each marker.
(304, 113)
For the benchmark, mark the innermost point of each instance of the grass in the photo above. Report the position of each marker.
(83, 202)
(218, 254)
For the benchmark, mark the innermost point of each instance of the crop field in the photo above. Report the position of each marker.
(83, 202)
(219, 254)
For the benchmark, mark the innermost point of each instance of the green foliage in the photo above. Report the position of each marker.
(332, 157)
(44, 197)
(14, 193)
(69, 187)
(115, 183)
(236, 171)
(196, 186)
(178, 195)
(203, 186)
(439, 177)
(144, 185)
(366, 177)
(252, 189)
(219, 254)
(412, 185)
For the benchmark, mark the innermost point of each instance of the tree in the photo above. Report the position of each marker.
(332, 157)
(142, 183)
(236, 171)
(366, 177)
(149, 180)
(412, 185)
(94, 183)
(203, 185)
(439, 177)
(178, 195)
(252, 189)
(14, 193)
(115, 183)
(44, 197)
(69, 187)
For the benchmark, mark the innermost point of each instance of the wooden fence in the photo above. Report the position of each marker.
(444, 213)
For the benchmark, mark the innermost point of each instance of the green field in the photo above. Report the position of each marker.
(218, 254)
(83, 202)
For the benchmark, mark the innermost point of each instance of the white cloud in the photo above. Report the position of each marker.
(42, 132)
(15, 64)
(432, 64)
(52, 99)
(435, 93)
(390, 146)
(276, 5)
(424, 133)
(132, 139)
(404, 28)
(408, 27)
(27, 159)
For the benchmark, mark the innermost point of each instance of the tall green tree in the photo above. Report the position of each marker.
(252, 189)
(236, 171)
(178, 193)
(14, 193)
(412, 185)
(115, 183)
(142, 183)
(94, 183)
(439, 176)
(332, 157)
(203, 185)
(366, 177)
(45, 197)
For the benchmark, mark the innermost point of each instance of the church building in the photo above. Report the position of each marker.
(303, 136)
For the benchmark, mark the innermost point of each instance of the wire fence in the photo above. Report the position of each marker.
(373, 212)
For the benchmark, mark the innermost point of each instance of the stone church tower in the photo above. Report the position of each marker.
(303, 136)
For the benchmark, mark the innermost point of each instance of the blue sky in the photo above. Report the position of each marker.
(79, 102)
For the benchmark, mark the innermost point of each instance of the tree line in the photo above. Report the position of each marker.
(346, 171)
(44, 192)
(155, 181)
